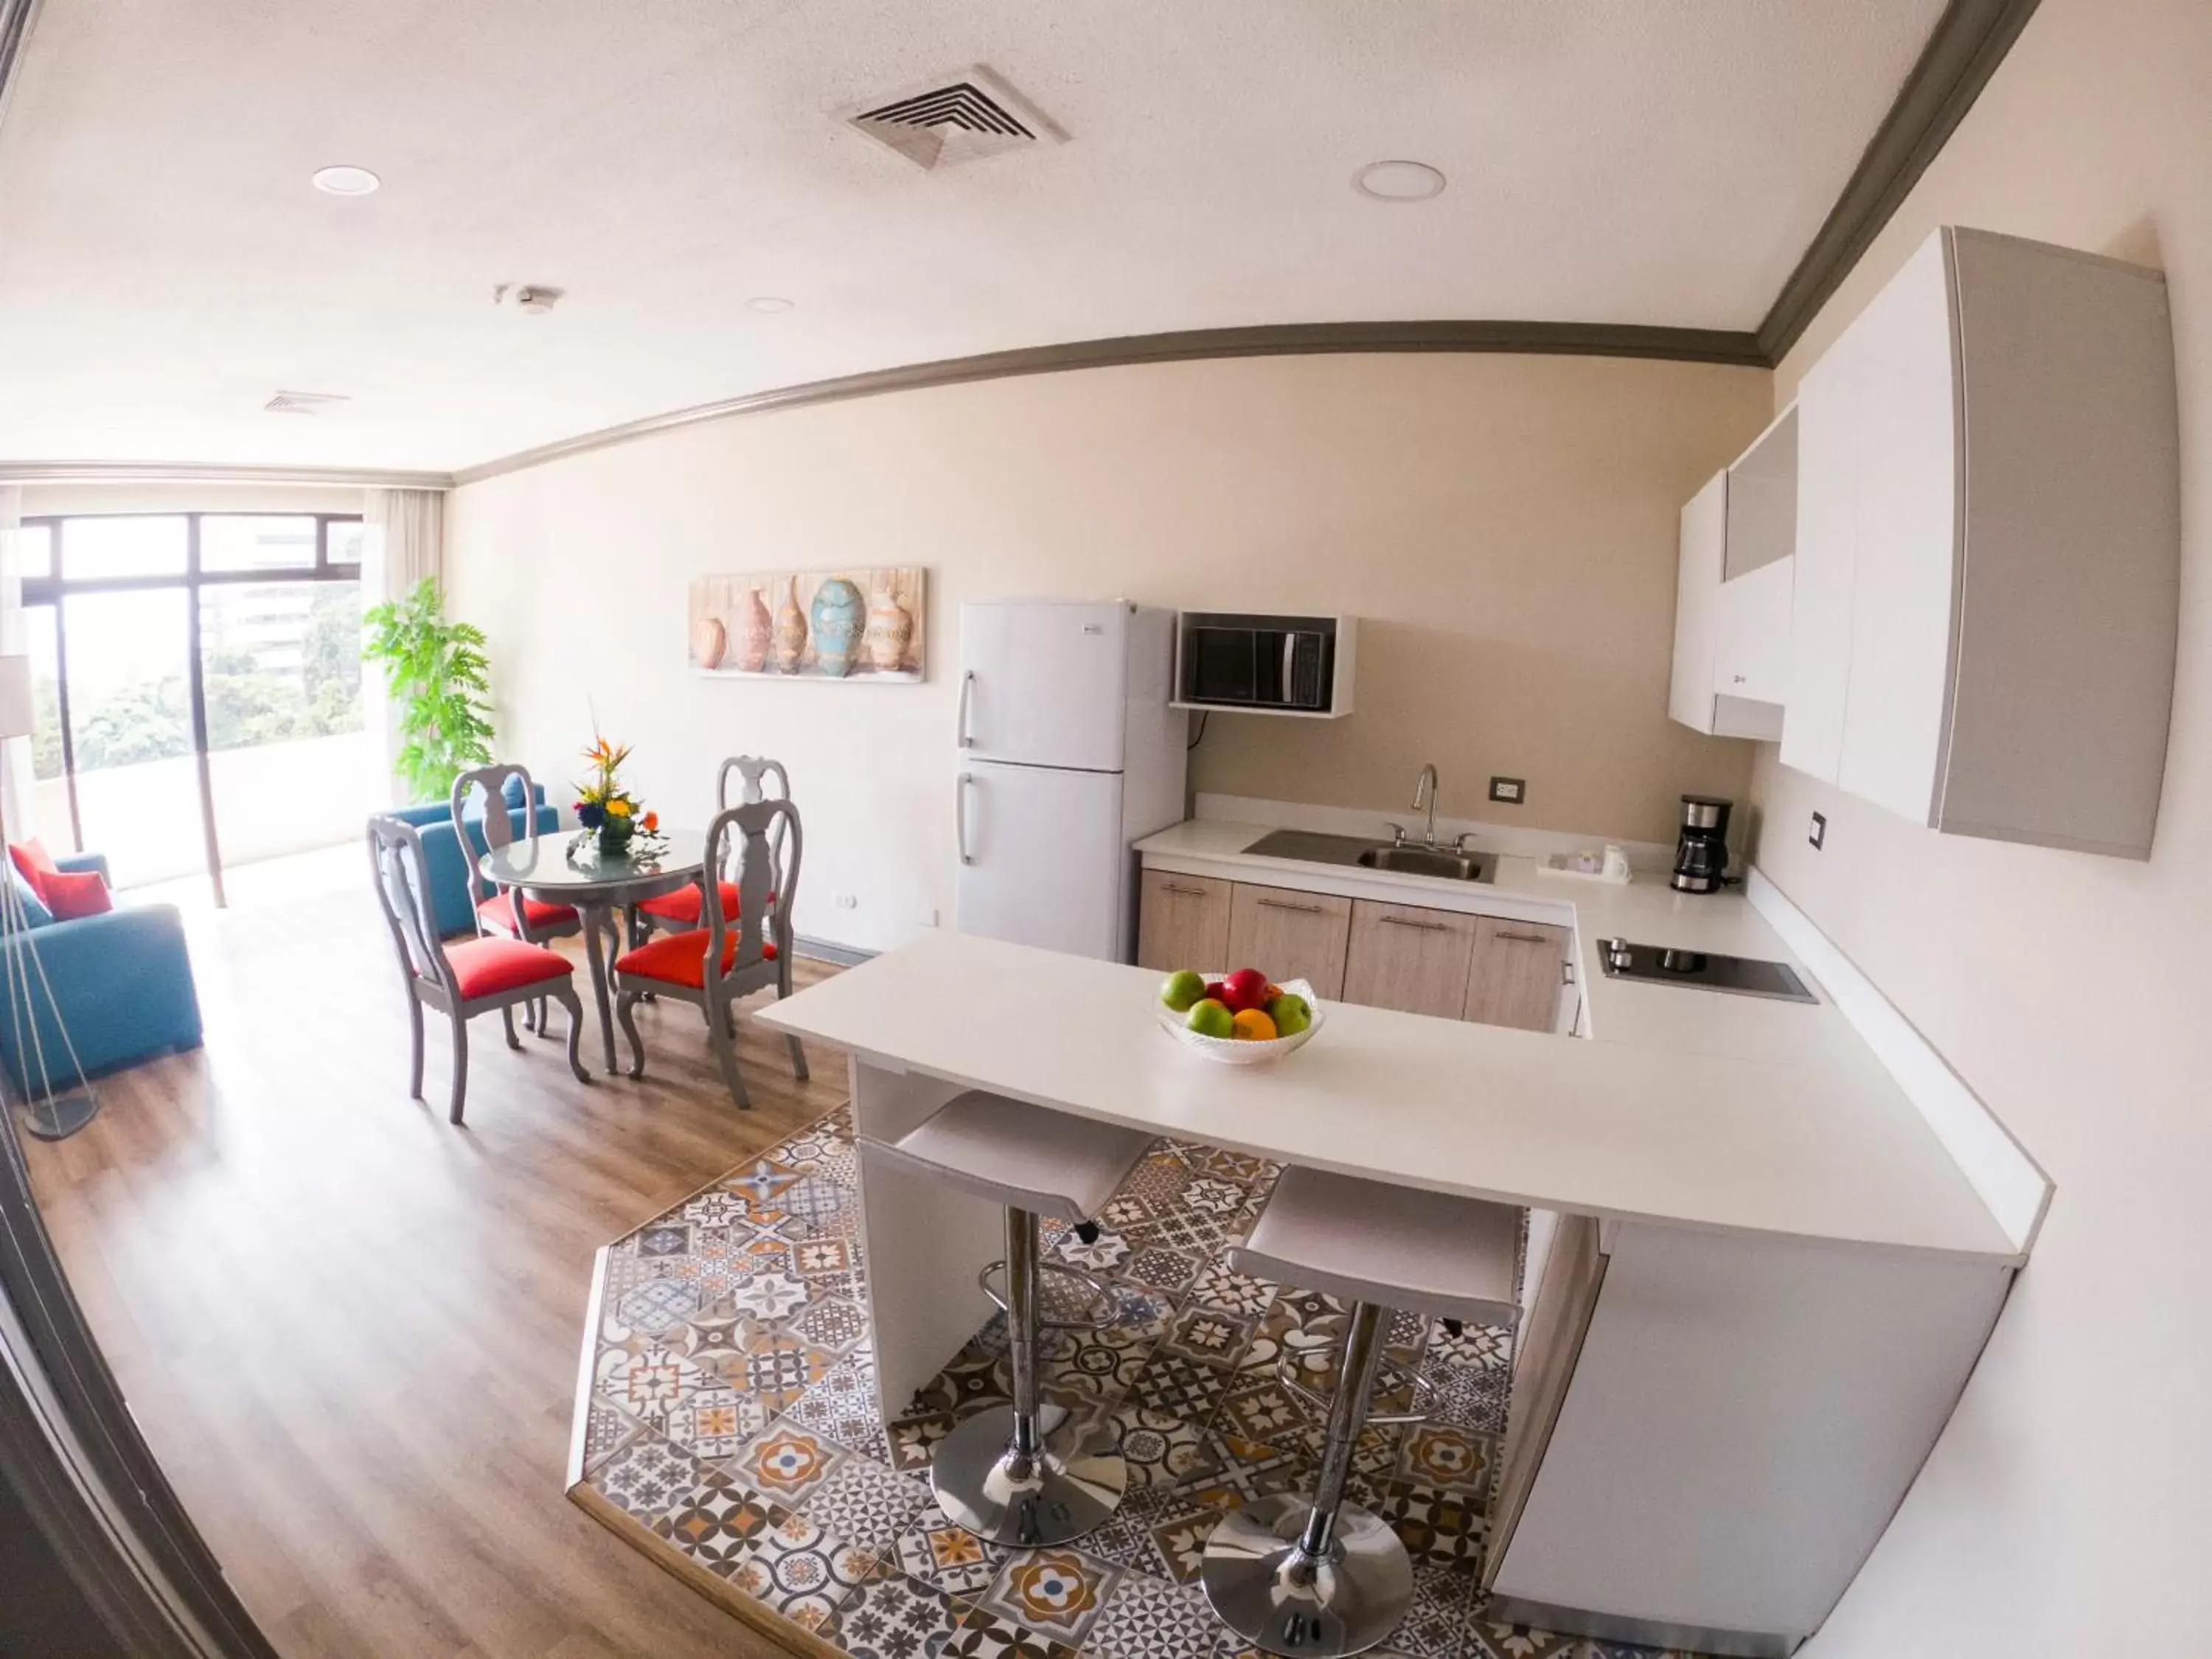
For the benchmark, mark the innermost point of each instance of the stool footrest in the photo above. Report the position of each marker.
(1319, 1403)
(1101, 1293)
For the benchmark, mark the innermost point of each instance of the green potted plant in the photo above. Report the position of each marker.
(439, 677)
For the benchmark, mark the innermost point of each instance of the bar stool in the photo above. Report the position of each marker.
(1320, 1577)
(1022, 1474)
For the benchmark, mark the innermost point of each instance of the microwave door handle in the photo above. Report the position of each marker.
(1289, 695)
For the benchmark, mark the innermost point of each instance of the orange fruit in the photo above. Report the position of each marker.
(1253, 1025)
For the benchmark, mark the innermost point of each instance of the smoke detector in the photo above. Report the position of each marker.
(303, 402)
(535, 298)
(966, 116)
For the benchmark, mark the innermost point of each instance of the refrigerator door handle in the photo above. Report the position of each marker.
(966, 685)
(960, 814)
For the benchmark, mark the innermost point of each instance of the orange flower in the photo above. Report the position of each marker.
(652, 821)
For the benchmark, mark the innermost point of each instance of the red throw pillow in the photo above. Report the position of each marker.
(73, 893)
(35, 862)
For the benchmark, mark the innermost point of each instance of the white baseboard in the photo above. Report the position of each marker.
(2000, 1169)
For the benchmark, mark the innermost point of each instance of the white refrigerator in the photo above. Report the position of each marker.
(1067, 753)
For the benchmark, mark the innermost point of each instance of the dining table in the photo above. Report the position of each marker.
(571, 868)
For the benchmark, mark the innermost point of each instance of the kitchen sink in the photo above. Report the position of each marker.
(1429, 861)
(1311, 846)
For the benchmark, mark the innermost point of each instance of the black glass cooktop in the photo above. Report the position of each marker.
(1742, 977)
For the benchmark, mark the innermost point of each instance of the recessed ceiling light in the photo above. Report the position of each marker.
(1399, 181)
(768, 303)
(346, 181)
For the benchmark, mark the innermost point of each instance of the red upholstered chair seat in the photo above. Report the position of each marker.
(681, 959)
(485, 967)
(499, 911)
(683, 905)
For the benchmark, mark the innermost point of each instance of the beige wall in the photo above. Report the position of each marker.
(1503, 527)
(2063, 1511)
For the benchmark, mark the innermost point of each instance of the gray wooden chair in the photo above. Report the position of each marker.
(680, 910)
(712, 966)
(460, 980)
(500, 911)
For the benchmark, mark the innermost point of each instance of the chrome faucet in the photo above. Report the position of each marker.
(1424, 795)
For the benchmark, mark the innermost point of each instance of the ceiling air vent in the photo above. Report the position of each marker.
(303, 402)
(964, 116)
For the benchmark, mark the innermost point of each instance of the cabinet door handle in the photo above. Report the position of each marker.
(1408, 921)
(1187, 892)
(1521, 938)
(1282, 904)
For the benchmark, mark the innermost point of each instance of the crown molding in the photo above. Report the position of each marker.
(1186, 345)
(366, 478)
(1963, 51)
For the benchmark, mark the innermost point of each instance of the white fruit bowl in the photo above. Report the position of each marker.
(1244, 1051)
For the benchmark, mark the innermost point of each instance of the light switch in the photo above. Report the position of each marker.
(1819, 833)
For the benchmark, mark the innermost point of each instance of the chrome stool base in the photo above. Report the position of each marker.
(1266, 1587)
(1067, 1487)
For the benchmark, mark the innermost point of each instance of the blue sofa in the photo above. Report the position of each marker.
(453, 890)
(122, 982)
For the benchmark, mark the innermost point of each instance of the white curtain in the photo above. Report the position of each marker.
(405, 541)
(18, 791)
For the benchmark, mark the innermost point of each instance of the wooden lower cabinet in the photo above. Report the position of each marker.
(1445, 964)
(1182, 922)
(1409, 957)
(1516, 974)
(1288, 934)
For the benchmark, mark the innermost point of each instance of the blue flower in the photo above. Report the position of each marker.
(590, 814)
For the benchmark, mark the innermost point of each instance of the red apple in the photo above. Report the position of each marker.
(1245, 988)
(1213, 989)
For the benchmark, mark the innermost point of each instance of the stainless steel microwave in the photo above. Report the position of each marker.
(1233, 660)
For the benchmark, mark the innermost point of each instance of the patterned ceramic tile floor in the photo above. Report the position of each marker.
(731, 1419)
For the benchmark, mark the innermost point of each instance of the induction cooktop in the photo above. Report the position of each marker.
(1704, 970)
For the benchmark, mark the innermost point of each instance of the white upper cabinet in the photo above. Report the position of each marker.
(1732, 595)
(1988, 547)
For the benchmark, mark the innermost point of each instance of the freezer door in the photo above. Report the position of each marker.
(1044, 684)
(1041, 857)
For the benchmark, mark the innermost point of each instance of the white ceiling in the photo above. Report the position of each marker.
(165, 266)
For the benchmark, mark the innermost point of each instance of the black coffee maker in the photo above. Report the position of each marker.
(1701, 856)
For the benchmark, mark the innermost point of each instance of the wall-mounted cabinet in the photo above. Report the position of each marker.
(1733, 593)
(1988, 547)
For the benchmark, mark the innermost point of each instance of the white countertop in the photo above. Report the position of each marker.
(1722, 1130)
(1646, 911)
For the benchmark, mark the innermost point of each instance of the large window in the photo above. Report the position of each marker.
(198, 679)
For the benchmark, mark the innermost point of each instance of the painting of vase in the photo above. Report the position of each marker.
(790, 631)
(889, 631)
(863, 625)
(838, 614)
(756, 632)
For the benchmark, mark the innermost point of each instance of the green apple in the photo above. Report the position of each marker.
(1210, 1018)
(1181, 989)
(1290, 1012)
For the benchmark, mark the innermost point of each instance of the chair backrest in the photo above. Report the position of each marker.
(498, 820)
(754, 773)
(762, 840)
(402, 890)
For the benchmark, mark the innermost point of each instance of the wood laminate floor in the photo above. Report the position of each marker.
(350, 1330)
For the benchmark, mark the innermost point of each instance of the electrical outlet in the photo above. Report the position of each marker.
(1818, 835)
(848, 900)
(1511, 791)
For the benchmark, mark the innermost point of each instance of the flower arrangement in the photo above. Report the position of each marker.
(603, 806)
